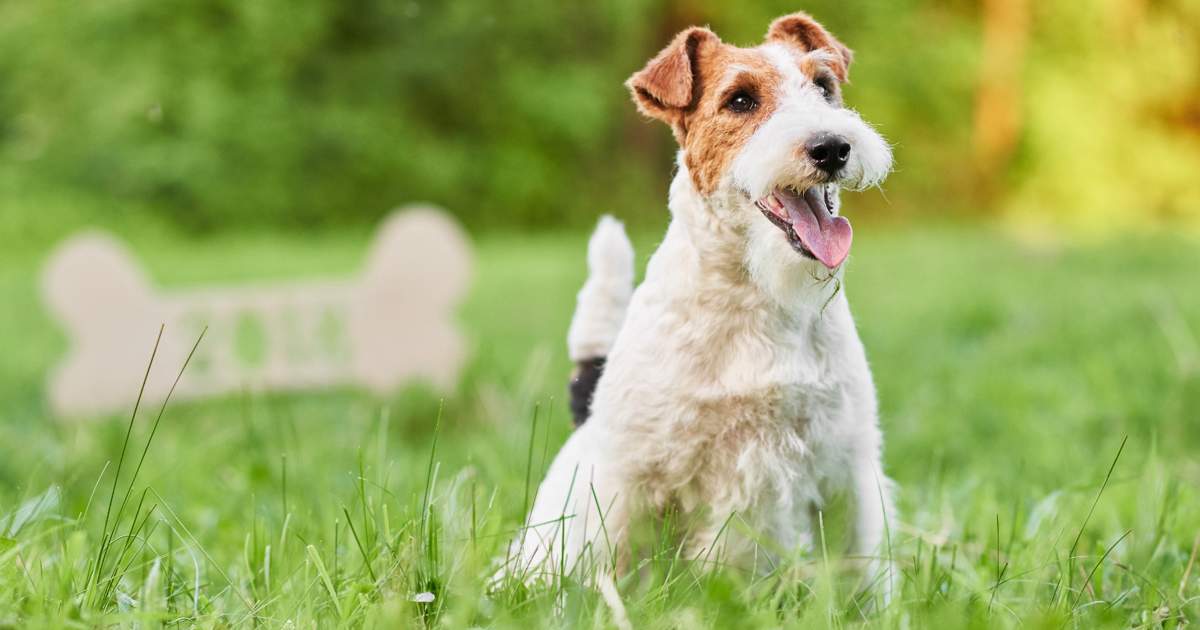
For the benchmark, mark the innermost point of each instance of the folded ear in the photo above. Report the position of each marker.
(799, 29)
(668, 84)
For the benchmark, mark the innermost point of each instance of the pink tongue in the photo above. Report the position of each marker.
(826, 236)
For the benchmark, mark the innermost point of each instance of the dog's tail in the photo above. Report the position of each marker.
(600, 310)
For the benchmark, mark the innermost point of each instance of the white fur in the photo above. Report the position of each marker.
(737, 385)
(767, 159)
(601, 303)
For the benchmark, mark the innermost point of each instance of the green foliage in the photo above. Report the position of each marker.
(221, 114)
(289, 113)
(1112, 138)
(211, 115)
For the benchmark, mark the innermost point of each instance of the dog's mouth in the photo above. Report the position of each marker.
(808, 221)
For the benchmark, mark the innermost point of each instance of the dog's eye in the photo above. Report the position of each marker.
(741, 103)
(825, 86)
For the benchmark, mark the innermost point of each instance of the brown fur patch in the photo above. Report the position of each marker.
(799, 29)
(813, 67)
(712, 133)
(668, 83)
(689, 83)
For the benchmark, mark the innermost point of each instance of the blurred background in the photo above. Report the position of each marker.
(1027, 282)
(1043, 149)
(221, 116)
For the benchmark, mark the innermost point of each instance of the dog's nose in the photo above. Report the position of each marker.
(828, 152)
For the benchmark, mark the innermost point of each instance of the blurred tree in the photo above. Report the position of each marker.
(997, 103)
(323, 111)
(1112, 104)
(220, 113)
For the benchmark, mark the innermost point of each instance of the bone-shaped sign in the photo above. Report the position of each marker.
(391, 324)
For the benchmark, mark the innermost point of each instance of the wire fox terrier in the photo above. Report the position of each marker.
(731, 384)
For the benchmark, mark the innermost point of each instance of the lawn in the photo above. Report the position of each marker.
(1041, 406)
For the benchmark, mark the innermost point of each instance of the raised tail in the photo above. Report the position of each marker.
(599, 311)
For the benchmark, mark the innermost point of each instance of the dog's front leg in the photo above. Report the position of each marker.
(874, 510)
(580, 513)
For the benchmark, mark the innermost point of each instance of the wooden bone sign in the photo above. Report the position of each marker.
(391, 324)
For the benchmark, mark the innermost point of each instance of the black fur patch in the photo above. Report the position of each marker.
(582, 386)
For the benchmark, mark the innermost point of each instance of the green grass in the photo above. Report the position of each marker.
(1009, 378)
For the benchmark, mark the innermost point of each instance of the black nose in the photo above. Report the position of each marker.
(828, 152)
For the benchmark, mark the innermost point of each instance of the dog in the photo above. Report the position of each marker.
(732, 384)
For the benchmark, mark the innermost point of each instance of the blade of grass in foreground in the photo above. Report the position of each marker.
(320, 566)
(94, 571)
(1086, 520)
(108, 538)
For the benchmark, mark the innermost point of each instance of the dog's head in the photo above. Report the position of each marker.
(764, 136)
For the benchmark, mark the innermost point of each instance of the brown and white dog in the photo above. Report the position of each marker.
(732, 382)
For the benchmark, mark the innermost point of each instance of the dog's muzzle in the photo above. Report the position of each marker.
(808, 221)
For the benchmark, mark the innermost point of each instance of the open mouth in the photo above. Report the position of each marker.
(808, 221)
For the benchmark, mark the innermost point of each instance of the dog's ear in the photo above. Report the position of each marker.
(668, 84)
(799, 29)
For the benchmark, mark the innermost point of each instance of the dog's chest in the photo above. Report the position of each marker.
(752, 419)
